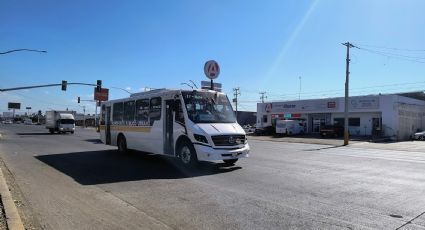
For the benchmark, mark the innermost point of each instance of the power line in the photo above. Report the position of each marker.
(44, 102)
(313, 93)
(391, 48)
(396, 56)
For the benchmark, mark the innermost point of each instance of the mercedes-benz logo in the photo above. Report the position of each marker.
(231, 140)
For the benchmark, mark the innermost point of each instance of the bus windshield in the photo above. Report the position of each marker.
(208, 107)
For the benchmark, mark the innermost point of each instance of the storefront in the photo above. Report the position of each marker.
(391, 115)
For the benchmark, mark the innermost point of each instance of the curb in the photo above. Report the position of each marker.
(13, 219)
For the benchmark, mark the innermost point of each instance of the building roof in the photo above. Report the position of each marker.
(419, 95)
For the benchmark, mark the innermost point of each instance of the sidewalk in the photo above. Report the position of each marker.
(411, 146)
(15, 214)
(301, 139)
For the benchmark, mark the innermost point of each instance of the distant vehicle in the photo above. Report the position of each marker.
(60, 121)
(28, 121)
(332, 131)
(193, 125)
(7, 122)
(249, 128)
(268, 130)
(290, 127)
(419, 136)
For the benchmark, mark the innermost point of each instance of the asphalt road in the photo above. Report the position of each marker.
(75, 182)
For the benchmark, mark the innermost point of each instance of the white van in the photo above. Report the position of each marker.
(290, 127)
(194, 125)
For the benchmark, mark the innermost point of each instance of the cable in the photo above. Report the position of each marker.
(392, 55)
(44, 102)
(390, 48)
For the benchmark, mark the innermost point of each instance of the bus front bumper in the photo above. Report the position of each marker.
(206, 153)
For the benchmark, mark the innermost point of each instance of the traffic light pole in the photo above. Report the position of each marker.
(42, 86)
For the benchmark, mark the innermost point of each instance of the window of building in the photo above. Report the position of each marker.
(354, 121)
(142, 111)
(129, 109)
(339, 121)
(265, 118)
(155, 109)
(118, 108)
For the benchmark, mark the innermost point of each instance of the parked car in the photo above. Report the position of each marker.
(28, 121)
(7, 122)
(332, 131)
(249, 128)
(419, 136)
(269, 130)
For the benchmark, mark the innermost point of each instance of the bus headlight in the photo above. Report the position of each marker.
(200, 138)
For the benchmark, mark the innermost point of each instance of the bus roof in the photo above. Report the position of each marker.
(164, 90)
(157, 92)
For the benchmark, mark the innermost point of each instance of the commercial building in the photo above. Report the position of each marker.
(391, 115)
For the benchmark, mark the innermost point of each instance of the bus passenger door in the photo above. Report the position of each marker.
(108, 125)
(168, 128)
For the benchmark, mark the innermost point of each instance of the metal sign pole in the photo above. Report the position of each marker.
(95, 115)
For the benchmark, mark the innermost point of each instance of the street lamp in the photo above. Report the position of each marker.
(184, 83)
(18, 50)
(121, 89)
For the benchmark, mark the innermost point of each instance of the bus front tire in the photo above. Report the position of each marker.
(230, 161)
(187, 154)
(122, 144)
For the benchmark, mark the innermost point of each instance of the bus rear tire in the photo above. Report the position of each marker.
(51, 131)
(122, 144)
(187, 154)
(230, 161)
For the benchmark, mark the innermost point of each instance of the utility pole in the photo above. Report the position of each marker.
(84, 115)
(262, 97)
(347, 73)
(236, 93)
(299, 93)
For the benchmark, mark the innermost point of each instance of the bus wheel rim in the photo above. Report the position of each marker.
(185, 154)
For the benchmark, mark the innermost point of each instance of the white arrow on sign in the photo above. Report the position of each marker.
(211, 69)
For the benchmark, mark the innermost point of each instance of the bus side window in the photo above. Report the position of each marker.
(179, 116)
(142, 112)
(118, 109)
(155, 110)
(129, 109)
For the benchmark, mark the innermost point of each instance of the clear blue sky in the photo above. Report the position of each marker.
(260, 45)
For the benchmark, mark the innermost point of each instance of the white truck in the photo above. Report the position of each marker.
(60, 121)
(290, 127)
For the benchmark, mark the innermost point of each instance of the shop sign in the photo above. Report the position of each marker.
(364, 103)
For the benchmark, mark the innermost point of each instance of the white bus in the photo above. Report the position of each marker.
(194, 125)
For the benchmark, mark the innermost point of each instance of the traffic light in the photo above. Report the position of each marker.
(64, 85)
(78, 99)
(99, 85)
